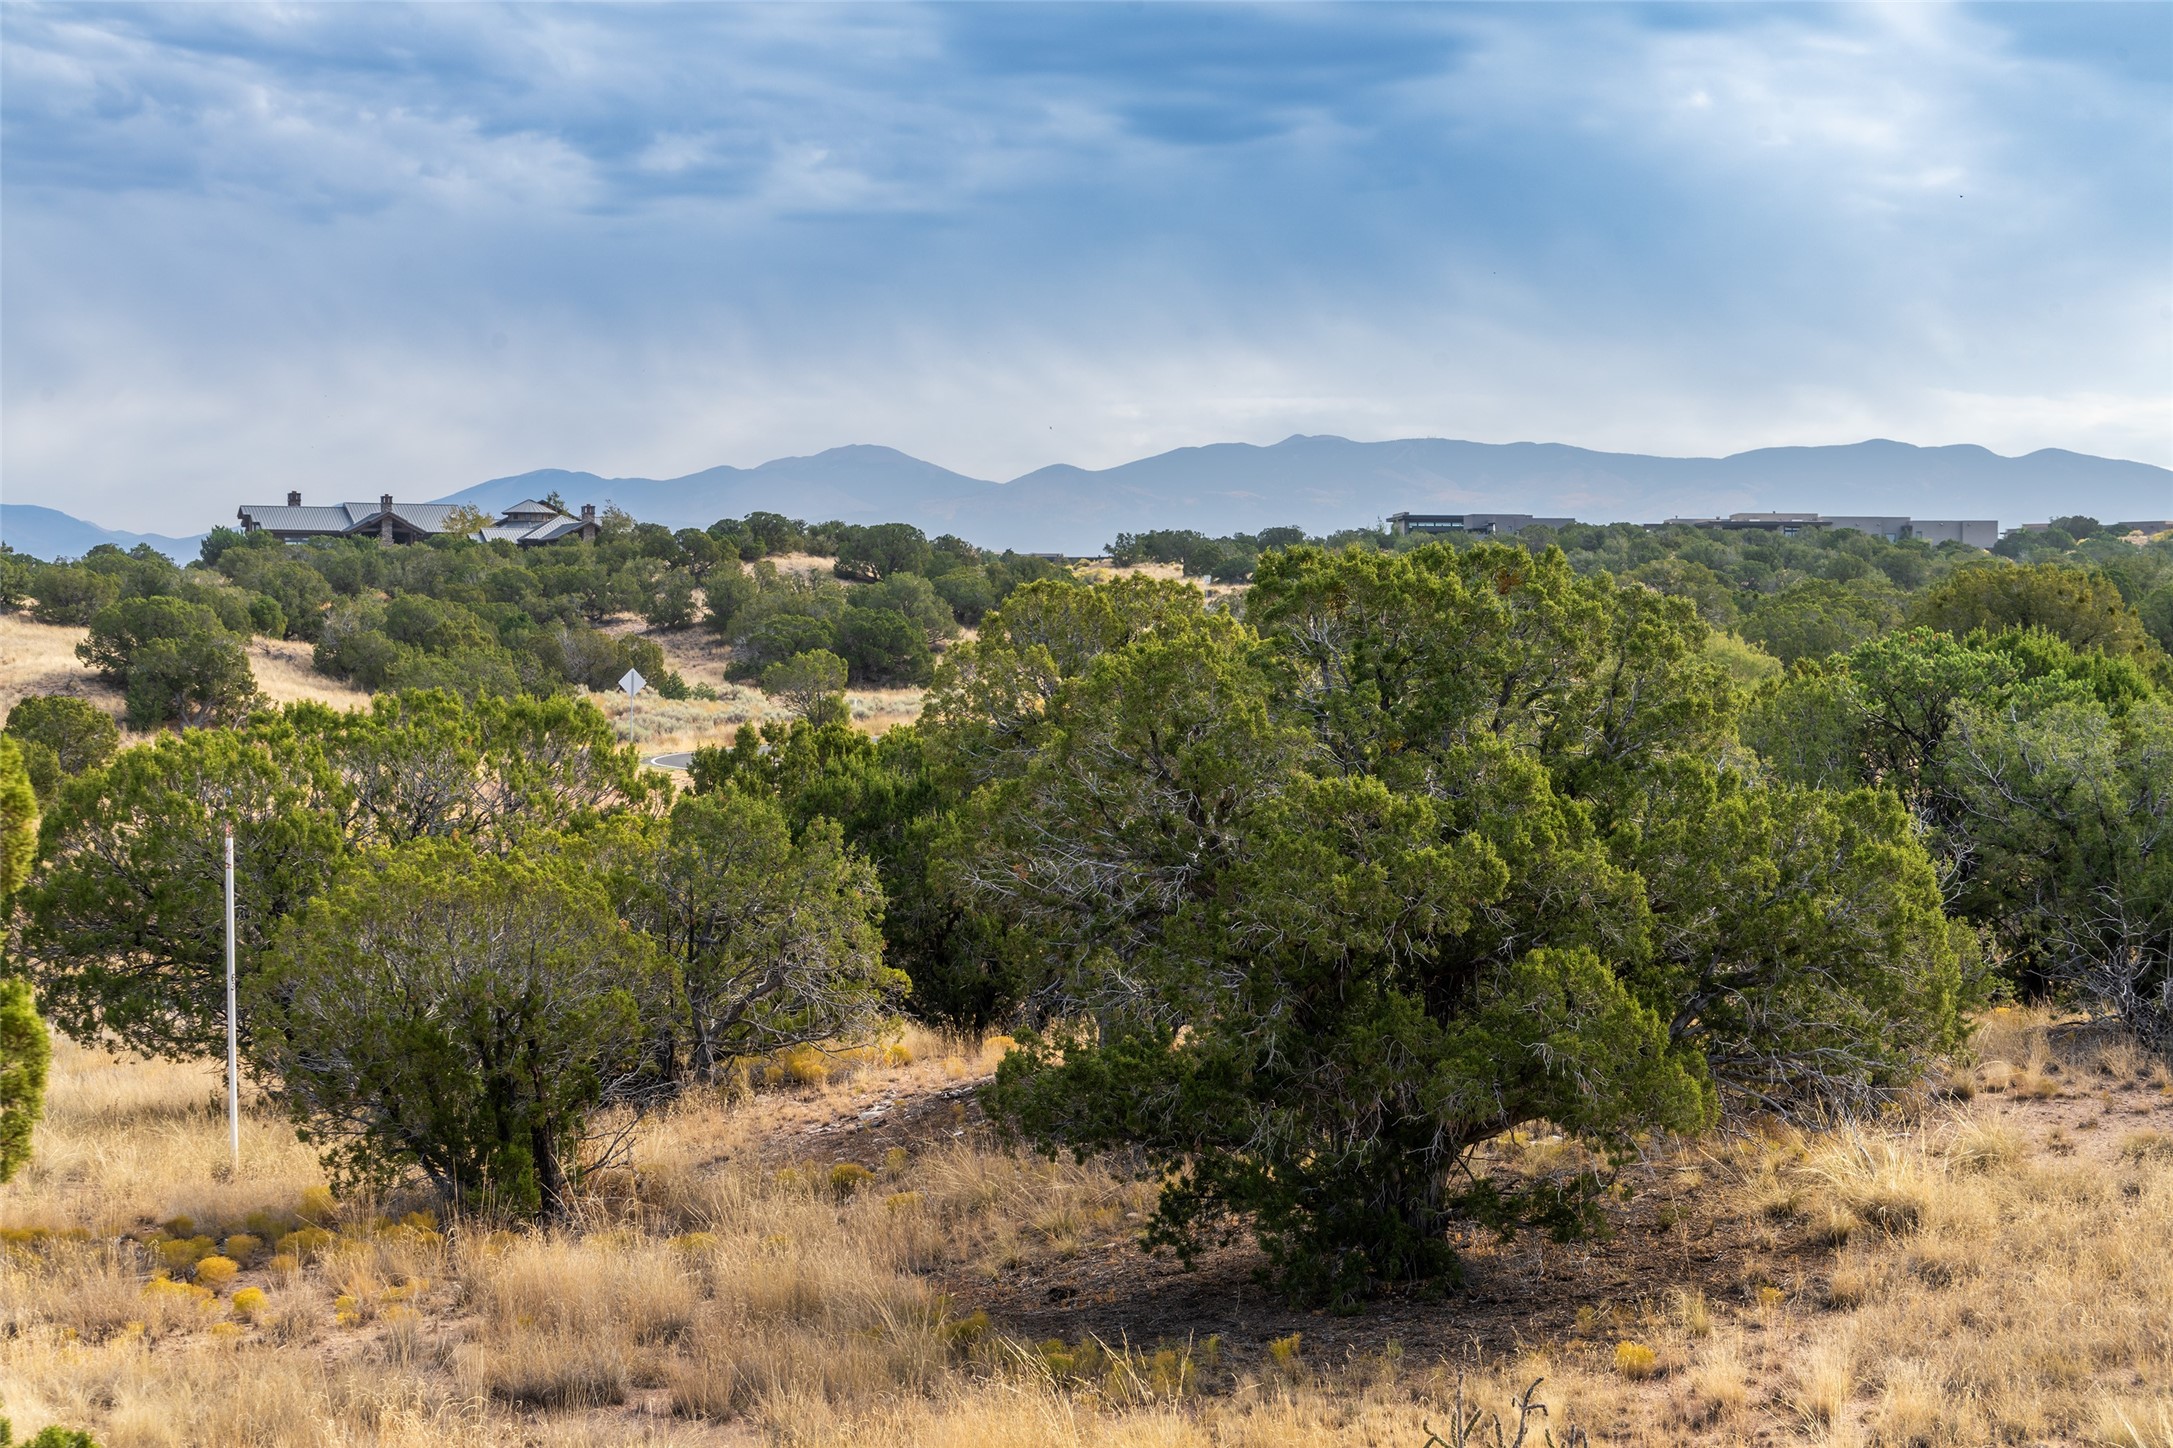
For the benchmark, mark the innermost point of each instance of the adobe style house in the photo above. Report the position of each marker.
(1478, 525)
(525, 523)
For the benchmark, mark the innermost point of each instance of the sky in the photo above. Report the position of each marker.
(360, 248)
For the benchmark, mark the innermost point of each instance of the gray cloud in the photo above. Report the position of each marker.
(358, 247)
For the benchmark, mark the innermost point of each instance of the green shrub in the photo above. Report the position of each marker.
(79, 734)
(52, 1437)
(457, 1013)
(70, 594)
(25, 1056)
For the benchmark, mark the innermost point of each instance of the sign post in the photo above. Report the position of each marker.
(233, 1032)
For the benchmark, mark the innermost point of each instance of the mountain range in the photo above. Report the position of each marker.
(50, 533)
(1327, 483)
(1319, 483)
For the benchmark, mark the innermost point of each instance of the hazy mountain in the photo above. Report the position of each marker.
(1320, 483)
(1326, 483)
(48, 533)
(858, 484)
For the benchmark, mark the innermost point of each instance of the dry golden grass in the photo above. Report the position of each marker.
(39, 658)
(735, 1286)
(664, 726)
(1224, 594)
(283, 671)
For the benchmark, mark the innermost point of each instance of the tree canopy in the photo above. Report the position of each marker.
(124, 917)
(1429, 845)
(456, 1012)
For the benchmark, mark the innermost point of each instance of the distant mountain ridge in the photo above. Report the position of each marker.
(50, 533)
(1327, 483)
(1317, 482)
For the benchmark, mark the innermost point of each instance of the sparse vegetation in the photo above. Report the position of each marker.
(2024, 1304)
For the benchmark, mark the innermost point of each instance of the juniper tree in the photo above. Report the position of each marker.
(24, 1047)
(774, 938)
(123, 919)
(457, 1013)
(1328, 896)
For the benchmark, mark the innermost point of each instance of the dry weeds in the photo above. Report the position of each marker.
(39, 658)
(734, 1286)
(663, 726)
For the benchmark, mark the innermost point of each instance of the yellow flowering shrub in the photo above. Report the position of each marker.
(215, 1272)
(178, 1254)
(1636, 1361)
(804, 1066)
(306, 1243)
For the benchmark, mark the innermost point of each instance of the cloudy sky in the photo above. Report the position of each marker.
(358, 248)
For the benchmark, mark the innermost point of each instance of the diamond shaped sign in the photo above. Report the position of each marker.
(632, 683)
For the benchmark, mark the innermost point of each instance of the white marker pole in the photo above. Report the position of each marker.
(233, 1034)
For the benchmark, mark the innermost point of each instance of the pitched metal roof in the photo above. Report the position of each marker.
(525, 522)
(282, 519)
(427, 517)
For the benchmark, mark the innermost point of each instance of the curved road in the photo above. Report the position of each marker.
(670, 761)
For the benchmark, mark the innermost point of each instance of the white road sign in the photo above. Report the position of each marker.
(632, 682)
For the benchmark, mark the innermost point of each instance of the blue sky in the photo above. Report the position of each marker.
(358, 248)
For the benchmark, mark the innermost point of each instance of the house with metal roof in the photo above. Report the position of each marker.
(526, 523)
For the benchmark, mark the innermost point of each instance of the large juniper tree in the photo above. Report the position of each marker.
(1331, 895)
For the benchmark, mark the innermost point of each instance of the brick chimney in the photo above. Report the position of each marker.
(384, 518)
(294, 500)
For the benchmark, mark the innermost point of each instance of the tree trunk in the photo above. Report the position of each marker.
(550, 1176)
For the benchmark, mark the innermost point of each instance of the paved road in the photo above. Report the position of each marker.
(671, 761)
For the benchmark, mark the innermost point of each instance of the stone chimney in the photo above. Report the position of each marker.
(294, 500)
(588, 522)
(384, 519)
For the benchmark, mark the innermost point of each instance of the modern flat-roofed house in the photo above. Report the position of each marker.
(525, 523)
(1976, 532)
(1483, 525)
